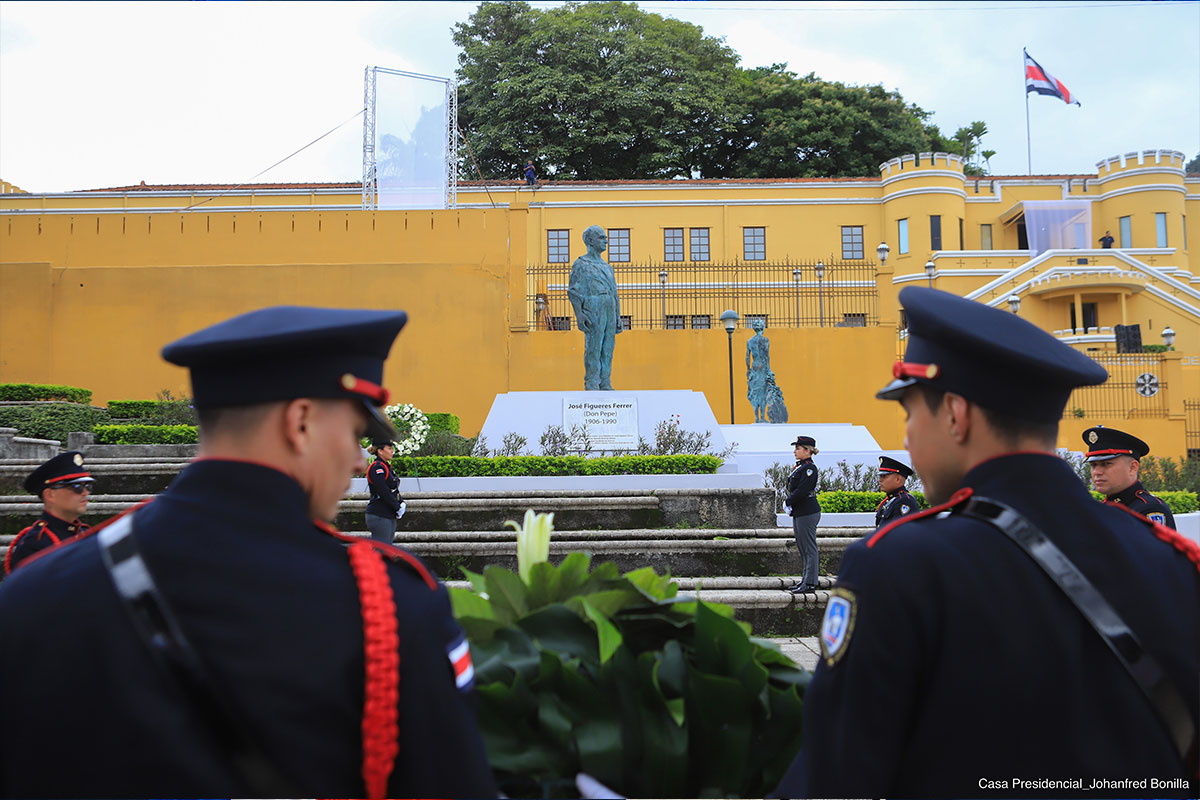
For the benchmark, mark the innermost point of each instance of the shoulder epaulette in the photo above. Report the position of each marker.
(1173, 538)
(955, 499)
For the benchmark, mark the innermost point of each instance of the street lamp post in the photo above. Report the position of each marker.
(730, 320)
(882, 251)
(1168, 337)
(796, 279)
(930, 269)
(1014, 303)
(662, 279)
(821, 292)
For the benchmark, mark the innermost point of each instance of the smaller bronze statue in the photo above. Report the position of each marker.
(593, 294)
(761, 390)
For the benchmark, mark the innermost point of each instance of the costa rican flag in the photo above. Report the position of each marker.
(1042, 82)
(459, 654)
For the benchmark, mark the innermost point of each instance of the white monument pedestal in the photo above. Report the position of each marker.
(760, 445)
(614, 420)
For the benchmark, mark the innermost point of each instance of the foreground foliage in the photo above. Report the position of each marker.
(582, 669)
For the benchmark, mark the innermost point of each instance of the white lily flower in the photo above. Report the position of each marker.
(533, 541)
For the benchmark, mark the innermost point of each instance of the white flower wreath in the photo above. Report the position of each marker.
(412, 424)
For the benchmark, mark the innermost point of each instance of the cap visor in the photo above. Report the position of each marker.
(896, 388)
(379, 426)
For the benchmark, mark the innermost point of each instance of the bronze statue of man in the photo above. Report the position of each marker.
(593, 293)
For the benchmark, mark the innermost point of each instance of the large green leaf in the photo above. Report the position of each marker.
(558, 629)
(776, 741)
(509, 653)
(664, 739)
(607, 602)
(721, 646)
(652, 585)
(507, 593)
(719, 733)
(477, 581)
(467, 603)
(608, 637)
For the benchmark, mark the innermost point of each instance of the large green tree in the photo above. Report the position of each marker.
(591, 91)
(602, 90)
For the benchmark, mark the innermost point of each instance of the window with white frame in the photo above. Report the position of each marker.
(852, 241)
(672, 244)
(618, 245)
(558, 246)
(699, 243)
(754, 244)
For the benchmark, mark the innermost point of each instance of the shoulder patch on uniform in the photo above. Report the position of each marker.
(809, 472)
(838, 625)
(459, 653)
(1158, 517)
(904, 509)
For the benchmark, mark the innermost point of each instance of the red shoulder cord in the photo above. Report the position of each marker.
(1173, 538)
(381, 658)
(955, 499)
(13, 546)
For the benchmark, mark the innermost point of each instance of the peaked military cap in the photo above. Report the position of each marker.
(63, 468)
(991, 357)
(1105, 443)
(887, 464)
(805, 441)
(285, 352)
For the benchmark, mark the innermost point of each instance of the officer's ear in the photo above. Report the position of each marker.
(298, 417)
(958, 418)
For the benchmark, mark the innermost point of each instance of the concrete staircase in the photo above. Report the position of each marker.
(718, 543)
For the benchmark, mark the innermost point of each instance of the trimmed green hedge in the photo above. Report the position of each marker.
(508, 466)
(442, 422)
(27, 392)
(851, 502)
(145, 434)
(1178, 502)
(132, 409)
(53, 420)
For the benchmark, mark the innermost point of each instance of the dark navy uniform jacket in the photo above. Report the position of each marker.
(992, 672)
(48, 531)
(385, 489)
(269, 601)
(1136, 498)
(897, 504)
(802, 488)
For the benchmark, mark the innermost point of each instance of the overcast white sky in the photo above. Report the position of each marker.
(105, 94)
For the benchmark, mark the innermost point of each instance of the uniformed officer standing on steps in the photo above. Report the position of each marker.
(802, 504)
(898, 502)
(1115, 458)
(223, 640)
(63, 486)
(1033, 641)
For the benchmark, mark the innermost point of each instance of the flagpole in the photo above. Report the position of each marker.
(1028, 145)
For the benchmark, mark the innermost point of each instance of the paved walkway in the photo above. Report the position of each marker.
(804, 650)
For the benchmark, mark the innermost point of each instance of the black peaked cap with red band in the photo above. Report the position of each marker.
(1107, 443)
(991, 357)
(888, 464)
(285, 352)
(63, 468)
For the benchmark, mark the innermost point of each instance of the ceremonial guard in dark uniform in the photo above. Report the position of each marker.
(63, 486)
(386, 506)
(1115, 458)
(1033, 642)
(898, 502)
(224, 640)
(802, 504)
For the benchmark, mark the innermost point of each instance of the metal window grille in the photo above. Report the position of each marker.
(1191, 427)
(852, 241)
(788, 293)
(618, 245)
(560, 323)
(675, 322)
(752, 318)
(701, 321)
(699, 241)
(626, 322)
(754, 244)
(852, 320)
(672, 244)
(1134, 388)
(558, 246)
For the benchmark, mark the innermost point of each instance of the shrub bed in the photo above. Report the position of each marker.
(442, 422)
(510, 466)
(52, 420)
(852, 502)
(29, 392)
(145, 434)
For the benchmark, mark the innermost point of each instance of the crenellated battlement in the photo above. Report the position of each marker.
(1168, 160)
(920, 161)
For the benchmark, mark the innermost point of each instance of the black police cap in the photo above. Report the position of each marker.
(805, 441)
(285, 352)
(63, 468)
(1107, 443)
(887, 464)
(991, 357)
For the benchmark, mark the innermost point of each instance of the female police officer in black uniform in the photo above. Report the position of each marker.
(386, 505)
(801, 503)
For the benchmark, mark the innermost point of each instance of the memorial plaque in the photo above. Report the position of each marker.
(612, 424)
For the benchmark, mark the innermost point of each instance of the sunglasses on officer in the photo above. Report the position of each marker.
(77, 488)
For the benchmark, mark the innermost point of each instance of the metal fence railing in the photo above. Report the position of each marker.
(694, 295)
(1191, 427)
(1135, 388)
